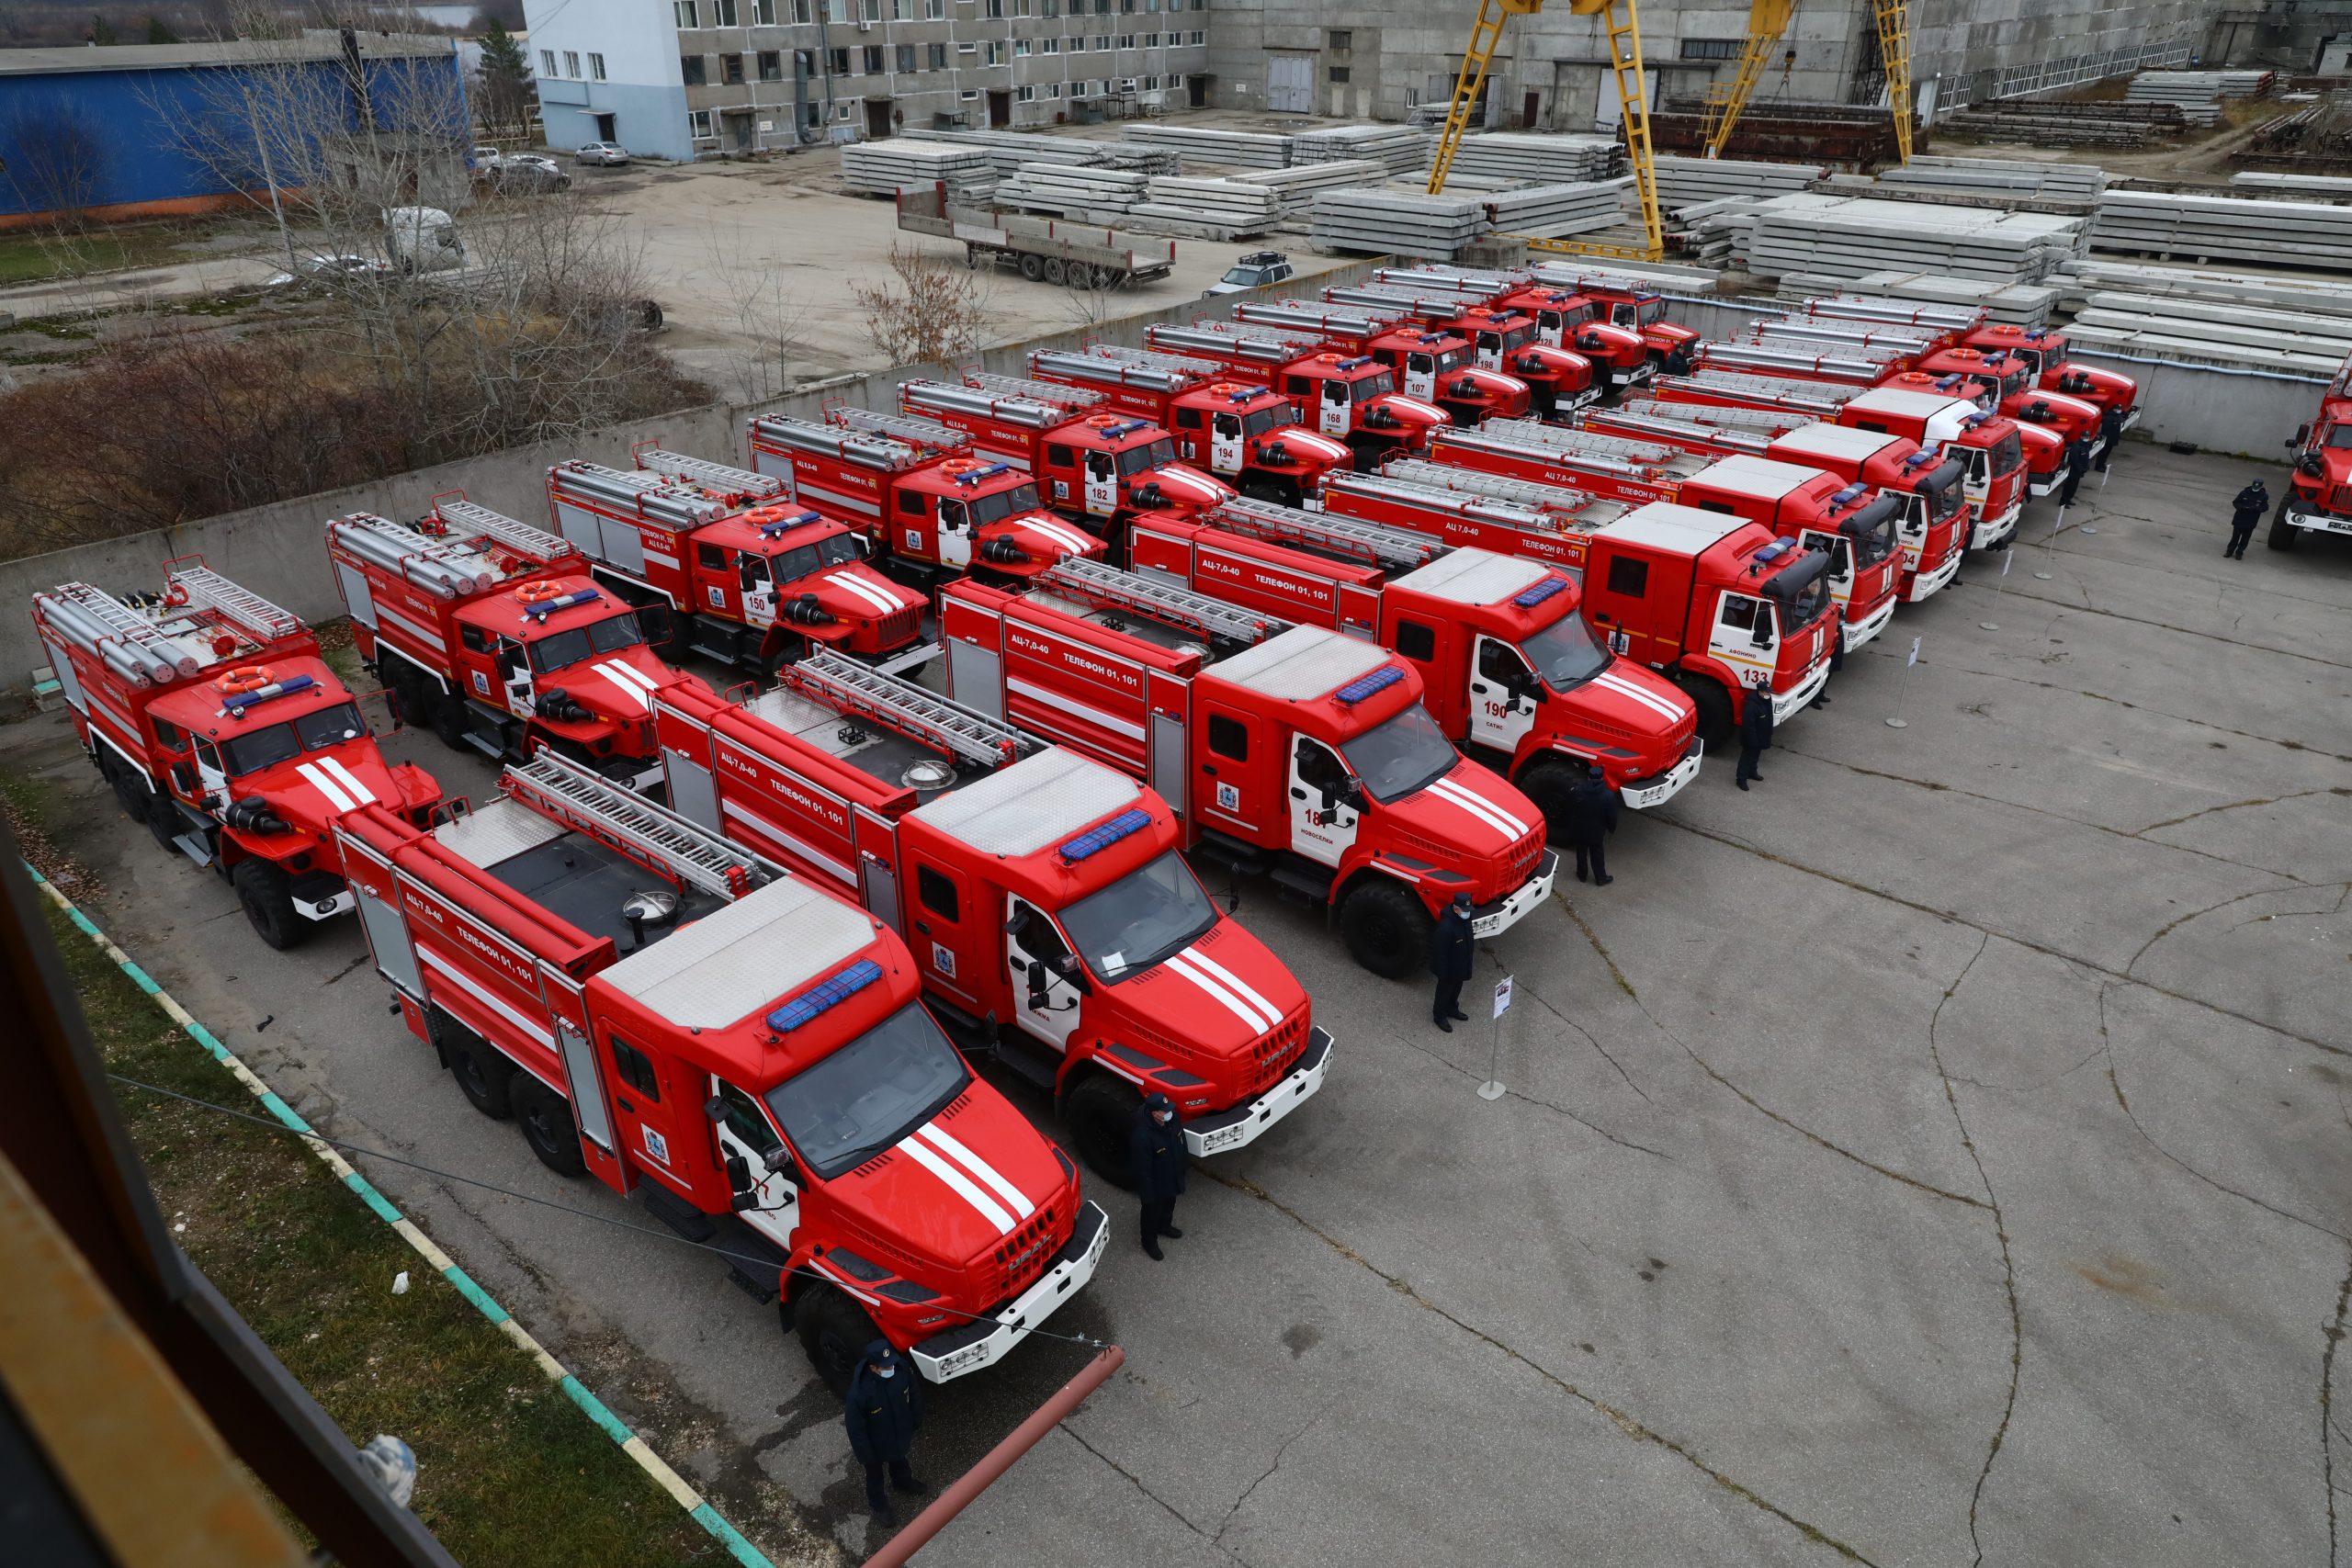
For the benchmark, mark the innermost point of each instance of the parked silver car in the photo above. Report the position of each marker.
(610, 153)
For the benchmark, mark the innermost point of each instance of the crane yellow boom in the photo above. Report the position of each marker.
(1767, 20)
(1622, 23)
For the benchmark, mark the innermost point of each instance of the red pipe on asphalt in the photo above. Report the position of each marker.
(996, 1460)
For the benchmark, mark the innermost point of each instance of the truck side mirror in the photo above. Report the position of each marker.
(2302, 434)
(743, 572)
(1038, 987)
(1763, 637)
(656, 622)
(739, 1174)
(1331, 796)
(184, 778)
(714, 1108)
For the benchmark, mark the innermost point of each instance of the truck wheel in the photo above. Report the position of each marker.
(1386, 927)
(2283, 534)
(548, 1127)
(974, 257)
(450, 722)
(1548, 786)
(130, 790)
(1100, 1112)
(834, 1331)
(1032, 268)
(1056, 272)
(262, 892)
(483, 1075)
(1714, 709)
(163, 820)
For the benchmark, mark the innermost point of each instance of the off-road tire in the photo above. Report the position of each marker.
(2283, 534)
(1032, 268)
(262, 893)
(1057, 272)
(1099, 1113)
(165, 821)
(1548, 783)
(548, 1127)
(834, 1332)
(450, 722)
(1386, 927)
(1715, 710)
(484, 1078)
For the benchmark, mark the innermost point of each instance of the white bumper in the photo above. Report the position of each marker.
(1992, 533)
(1787, 705)
(1503, 914)
(1640, 794)
(342, 903)
(1927, 585)
(2320, 521)
(983, 1344)
(1857, 633)
(2131, 418)
(1242, 1125)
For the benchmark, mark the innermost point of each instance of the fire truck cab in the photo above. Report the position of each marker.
(1353, 397)
(1934, 419)
(2043, 353)
(209, 712)
(748, 577)
(2319, 489)
(1037, 888)
(1628, 302)
(1931, 520)
(1291, 752)
(1432, 363)
(1845, 519)
(680, 1017)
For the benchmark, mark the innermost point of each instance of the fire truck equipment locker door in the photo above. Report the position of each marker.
(745, 1133)
(1225, 443)
(356, 597)
(1499, 714)
(387, 939)
(1044, 1000)
(1101, 483)
(976, 676)
(1320, 832)
(1167, 762)
(514, 676)
(583, 1083)
(1331, 408)
(693, 794)
(954, 533)
(879, 886)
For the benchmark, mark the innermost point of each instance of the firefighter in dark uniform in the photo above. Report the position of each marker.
(2245, 511)
(1591, 818)
(1755, 735)
(1678, 360)
(2078, 463)
(2110, 432)
(1156, 1164)
(883, 1409)
(1453, 947)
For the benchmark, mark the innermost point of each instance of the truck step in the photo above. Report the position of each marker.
(676, 1213)
(1026, 1057)
(485, 745)
(1240, 859)
(1303, 879)
(194, 847)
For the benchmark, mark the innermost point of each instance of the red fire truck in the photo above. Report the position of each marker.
(1629, 302)
(1932, 524)
(1736, 390)
(752, 577)
(1101, 469)
(1721, 609)
(1240, 430)
(937, 509)
(1433, 364)
(484, 629)
(1353, 397)
(1035, 887)
(1936, 421)
(2319, 491)
(1562, 319)
(1501, 339)
(681, 1018)
(2043, 353)
(209, 712)
(1513, 675)
(1287, 750)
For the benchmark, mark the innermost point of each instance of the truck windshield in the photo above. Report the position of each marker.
(1942, 490)
(566, 648)
(1151, 455)
(2337, 439)
(1653, 310)
(1454, 358)
(870, 1093)
(266, 747)
(806, 561)
(1003, 504)
(1519, 337)
(1872, 530)
(1140, 919)
(1401, 755)
(2008, 452)
(1802, 592)
(1375, 384)
(1567, 653)
(1263, 419)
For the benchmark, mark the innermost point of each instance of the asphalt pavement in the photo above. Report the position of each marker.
(1935, 1155)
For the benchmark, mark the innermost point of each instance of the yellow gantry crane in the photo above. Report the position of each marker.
(1767, 20)
(1622, 22)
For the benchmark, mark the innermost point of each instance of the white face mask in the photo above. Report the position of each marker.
(886, 1372)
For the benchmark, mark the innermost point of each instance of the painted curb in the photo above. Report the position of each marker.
(630, 1443)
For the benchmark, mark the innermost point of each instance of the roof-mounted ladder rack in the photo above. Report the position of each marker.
(1030, 410)
(1270, 346)
(1035, 391)
(1391, 549)
(1170, 374)
(1459, 499)
(716, 478)
(1648, 423)
(471, 520)
(644, 492)
(207, 590)
(1180, 607)
(841, 443)
(856, 690)
(93, 618)
(926, 434)
(656, 838)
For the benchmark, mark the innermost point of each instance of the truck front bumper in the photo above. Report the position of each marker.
(2295, 518)
(985, 1341)
(1857, 633)
(1992, 533)
(2131, 416)
(1786, 706)
(1504, 913)
(1927, 584)
(321, 896)
(1240, 1126)
(1640, 794)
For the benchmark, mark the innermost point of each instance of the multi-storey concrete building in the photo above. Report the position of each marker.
(683, 78)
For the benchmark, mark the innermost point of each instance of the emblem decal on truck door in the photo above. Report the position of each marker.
(656, 1145)
(1228, 797)
(943, 960)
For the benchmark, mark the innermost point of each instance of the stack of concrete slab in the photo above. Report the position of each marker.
(2198, 93)
(1072, 190)
(1552, 212)
(2157, 327)
(1714, 232)
(1681, 181)
(1293, 188)
(1845, 236)
(882, 168)
(2315, 294)
(1008, 150)
(1207, 209)
(1234, 149)
(2025, 178)
(2304, 188)
(2019, 304)
(2203, 228)
(1379, 221)
(1398, 149)
(1550, 159)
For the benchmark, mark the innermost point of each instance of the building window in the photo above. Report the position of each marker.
(837, 10)
(841, 111)
(1051, 8)
(595, 67)
(934, 10)
(996, 51)
(572, 64)
(907, 58)
(874, 66)
(803, 11)
(939, 57)
(722, 12)
(763, 12)
(1341, 38)
(995, 8)
(1049, 46)
(1020, 7)
(690, 67)
(837, 60)
(546, 63)
(732, 65)
(1339, 74)
(684, 11)
(969, 95)
(1711, 47)
(770, 65)
(698, 125)
(1196, 37)
(1026, 94)
(1021, 48)
(1126, 40)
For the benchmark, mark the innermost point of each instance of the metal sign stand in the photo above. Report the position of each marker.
(1997, 588)
(1898, 721)
(1493, 1087)
(2049, 543)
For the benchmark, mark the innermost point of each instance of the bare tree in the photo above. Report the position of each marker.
(932, 310)
(54, 158)
(768, 352)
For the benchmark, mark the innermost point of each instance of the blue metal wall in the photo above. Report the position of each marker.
(140, 120)
(647, 119)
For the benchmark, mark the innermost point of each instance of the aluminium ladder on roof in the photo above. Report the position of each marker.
(446, 567)
(1845, 368)
(857, 689)
(839, 442)
(1866, 338)
(1432, 304)
(1175, 375)
(908, 429)
(1324, 321)
(1471, 283)
(711, 479)
(1635, 424)
(1825, 397)
(121, 624)
(1180, 607)
(1041, 391)
(1911, 312)
(1573, 442)
(207, 590)
(471, 520)
(1265, 346)
(611, 814)
(646, 494)
(1122, 355)
(1552, 501)
(1458, 501)
(1028, 412)
(1376, 544)
(1714, 416)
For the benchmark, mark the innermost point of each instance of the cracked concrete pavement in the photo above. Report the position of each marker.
(1936, 1155)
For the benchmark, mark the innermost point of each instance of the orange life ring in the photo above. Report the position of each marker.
(1103, 421)
(1223, 389)
(538, 593)
(955, 466)
(763, 515)
(1327, 359)
(244, 678)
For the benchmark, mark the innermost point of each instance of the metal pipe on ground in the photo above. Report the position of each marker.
(968, 1487)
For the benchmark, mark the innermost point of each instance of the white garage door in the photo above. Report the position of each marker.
(1290, 83)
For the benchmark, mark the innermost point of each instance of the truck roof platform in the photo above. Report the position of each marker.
(1040, 800)
(769, 944)
(1303, 663)
(567, 874)
(884, 756)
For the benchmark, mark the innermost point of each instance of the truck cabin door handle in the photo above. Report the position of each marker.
(1209, 768)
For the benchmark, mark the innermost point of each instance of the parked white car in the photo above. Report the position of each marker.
(610, 153)
(1253, 271)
